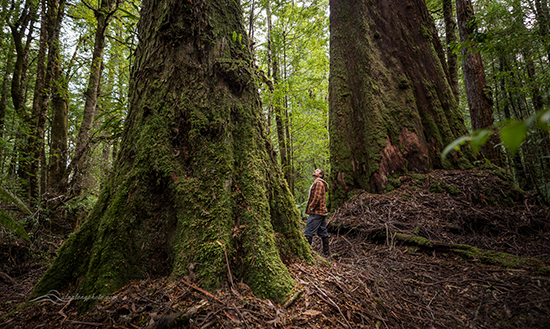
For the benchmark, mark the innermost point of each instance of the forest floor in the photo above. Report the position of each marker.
(449, 249)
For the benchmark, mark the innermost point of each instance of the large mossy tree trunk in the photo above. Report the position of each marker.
(196, 178)
(391, 105)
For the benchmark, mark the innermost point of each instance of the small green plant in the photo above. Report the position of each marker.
(419, 179)
(436, 188)
(8, 221)
(392, 185)
(452, 190)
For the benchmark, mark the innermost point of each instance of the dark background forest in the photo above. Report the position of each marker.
(408, 108)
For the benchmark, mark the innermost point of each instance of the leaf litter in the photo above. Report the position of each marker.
(393, 264)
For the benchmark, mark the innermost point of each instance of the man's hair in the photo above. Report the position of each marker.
(322, 173)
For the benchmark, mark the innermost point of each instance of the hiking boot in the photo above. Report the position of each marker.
(326, 251)
(309, 239)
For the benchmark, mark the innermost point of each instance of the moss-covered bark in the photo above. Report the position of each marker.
(195, 178)
(391, 105)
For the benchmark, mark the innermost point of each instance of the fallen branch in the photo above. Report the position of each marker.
(201, 290)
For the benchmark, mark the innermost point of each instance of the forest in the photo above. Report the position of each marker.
(156, 159)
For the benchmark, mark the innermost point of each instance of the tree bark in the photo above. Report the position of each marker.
(251, 28)
(195, 178)
(450, 36)
(24, 23)
(39, 108)
(269, 58)
(543, 18)
(59, 101)
(478, 93)
(390, 105)
(279, 123)
(78, 163)
(4, 94)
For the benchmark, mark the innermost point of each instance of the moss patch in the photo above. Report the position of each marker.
(494, 257)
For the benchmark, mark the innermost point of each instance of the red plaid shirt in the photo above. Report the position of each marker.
(316, 202)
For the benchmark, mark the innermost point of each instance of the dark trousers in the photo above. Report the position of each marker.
(316, 225)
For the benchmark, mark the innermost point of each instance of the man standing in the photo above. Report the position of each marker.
(317, 210)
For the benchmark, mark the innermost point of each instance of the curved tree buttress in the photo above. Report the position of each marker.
(195, 178)
(392, 109)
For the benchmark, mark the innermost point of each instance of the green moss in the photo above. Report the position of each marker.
(436, 188)
(419, 179)
(417, 240)
(544, 271)
(494, 257)
(452, 190)
(194, 180)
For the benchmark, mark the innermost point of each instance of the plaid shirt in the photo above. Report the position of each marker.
(316, 201)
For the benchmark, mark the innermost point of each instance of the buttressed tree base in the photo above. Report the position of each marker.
(195, 179)
(391, 105)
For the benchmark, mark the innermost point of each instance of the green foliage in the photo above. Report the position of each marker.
(512, 133)
(9, 222)
(299, 44)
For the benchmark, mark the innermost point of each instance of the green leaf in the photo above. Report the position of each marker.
(513, 134)
(234, 36)
(129, 14)
(543, 120)
(455, 145)
(479, 139)
(10, 197)
(12, 225)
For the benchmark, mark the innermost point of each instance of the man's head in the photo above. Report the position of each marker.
(318, 173)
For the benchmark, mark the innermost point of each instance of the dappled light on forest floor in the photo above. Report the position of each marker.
(442, 250)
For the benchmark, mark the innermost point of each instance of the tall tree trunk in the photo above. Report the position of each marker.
(78, 163)
(24, 23)
(450, 36)
(269, 59)
(4, 95)
(3, 106)
(279, 116)
(288, 168)
(195, 179)
(59, 101)
(39, 108)
(478, 93)
(390, 105)
(251, 28)
(543, 18)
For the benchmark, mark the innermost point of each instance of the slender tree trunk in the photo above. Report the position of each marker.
(60, 103)
(536, 97)
(279, 116)
(25, 23)
(478, 93)
(78, 163)
(269, 59)
(4, 94)
(288, 168)
(39, 108)
(251, 28)
(3, 106)
(195, 184)
(391, 108)
(543, 18)
(450, 36)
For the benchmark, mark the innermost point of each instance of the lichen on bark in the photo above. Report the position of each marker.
(195, 179)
